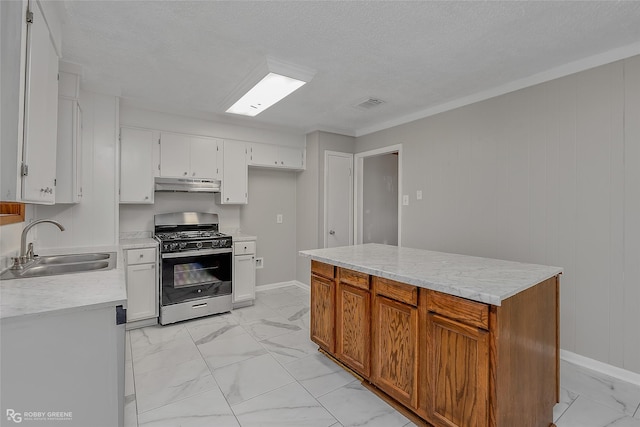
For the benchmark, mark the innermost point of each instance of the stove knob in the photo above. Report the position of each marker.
(165, 247)
(198, 245)
(173, 245)
(183, 245)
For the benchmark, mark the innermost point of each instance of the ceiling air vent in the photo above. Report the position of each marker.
(369, 103)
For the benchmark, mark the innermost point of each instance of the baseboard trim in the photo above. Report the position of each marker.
(601, 367)
(282, 285)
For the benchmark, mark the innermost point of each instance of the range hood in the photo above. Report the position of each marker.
(188, 185)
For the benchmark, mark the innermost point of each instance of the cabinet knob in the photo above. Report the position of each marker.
(332, 232)
(141, 255)
(282, 162)
(193, 174)
(186, 173)
(146, 198)
(276, 162)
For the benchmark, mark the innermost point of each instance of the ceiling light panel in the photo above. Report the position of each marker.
(271, 89)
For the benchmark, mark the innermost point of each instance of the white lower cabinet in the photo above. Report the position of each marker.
(244, 273)
(69, 365)
(142, 287)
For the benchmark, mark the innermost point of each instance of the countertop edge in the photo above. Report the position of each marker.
(422, 283)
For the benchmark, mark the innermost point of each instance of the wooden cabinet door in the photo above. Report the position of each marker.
(458, 373)
(395, 351)
(353, 328)
(323, 293)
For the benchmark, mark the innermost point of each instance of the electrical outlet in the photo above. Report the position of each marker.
(259, 263)
(279, 218)
(419, 195)
(405, 200)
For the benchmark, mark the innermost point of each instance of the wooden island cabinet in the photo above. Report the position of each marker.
(448, 360)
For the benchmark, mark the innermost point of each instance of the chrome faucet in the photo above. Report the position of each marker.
(26, 253)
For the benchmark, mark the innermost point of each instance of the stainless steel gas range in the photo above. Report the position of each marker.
(196, 266)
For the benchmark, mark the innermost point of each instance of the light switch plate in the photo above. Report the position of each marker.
(259, 263)
(419, 195)
(405, 200)
(279, 218)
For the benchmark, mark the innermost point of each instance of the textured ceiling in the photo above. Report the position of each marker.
(189, 57)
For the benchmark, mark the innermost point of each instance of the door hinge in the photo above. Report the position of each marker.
(24, 170)
(29, 17)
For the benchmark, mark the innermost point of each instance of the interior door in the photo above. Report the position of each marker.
(338, 199)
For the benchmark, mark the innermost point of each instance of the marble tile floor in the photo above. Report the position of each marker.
(256, 366)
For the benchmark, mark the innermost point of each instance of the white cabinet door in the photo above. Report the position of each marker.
(141, 292)
(136, 166)
(174, 155)
(263, 155)
(290, 157)
(244, 278)
(275, 156)
(204, 157)
(41, 113)
(69, 152)
(235, 177)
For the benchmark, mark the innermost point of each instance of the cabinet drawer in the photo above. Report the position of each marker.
(470, 312)
(396, 290)
(354, 278)
(244, 248)
(141, 256)
(322, 269)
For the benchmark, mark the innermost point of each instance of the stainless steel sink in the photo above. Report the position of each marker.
(71, 259)
(54, 265)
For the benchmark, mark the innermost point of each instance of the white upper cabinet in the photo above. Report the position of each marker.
(41, 112)
(69, 152)
(235, 177)
(276, 156)
(189, 156)
(69, 149)
(136, 165)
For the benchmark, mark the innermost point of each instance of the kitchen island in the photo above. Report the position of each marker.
(456, 340)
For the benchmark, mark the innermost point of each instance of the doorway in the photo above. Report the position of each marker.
(338, 199)
(378, 188)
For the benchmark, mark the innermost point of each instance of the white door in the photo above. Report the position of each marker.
(338, 199)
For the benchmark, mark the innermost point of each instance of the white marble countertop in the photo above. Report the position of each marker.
(241, 237)
(39, 296)
(480, 279)
(138, 243)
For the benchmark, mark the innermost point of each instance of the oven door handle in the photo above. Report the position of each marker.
(197, 253)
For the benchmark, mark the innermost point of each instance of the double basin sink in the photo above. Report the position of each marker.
(54, 265)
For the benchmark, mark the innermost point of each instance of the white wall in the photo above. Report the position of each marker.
(272, 192)
(93, 221)
(380, 199)
(310, 195)
(549, 174)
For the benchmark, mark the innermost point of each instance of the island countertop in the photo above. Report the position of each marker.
(484, 280)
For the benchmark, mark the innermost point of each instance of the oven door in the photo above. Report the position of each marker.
(194, 275)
